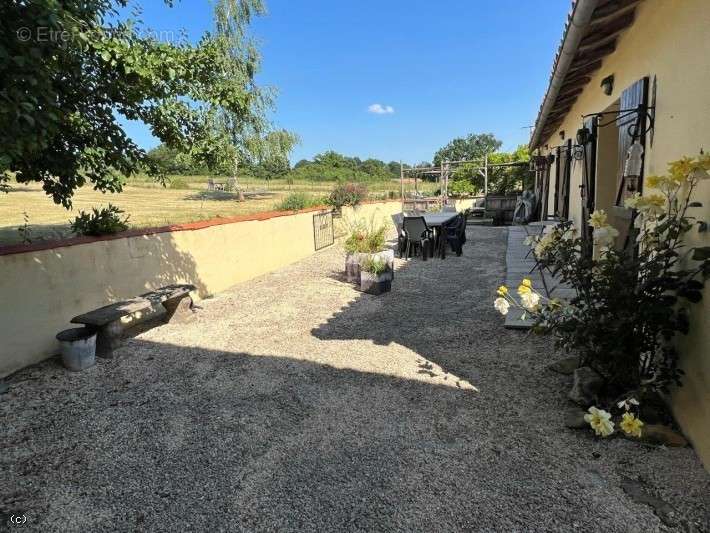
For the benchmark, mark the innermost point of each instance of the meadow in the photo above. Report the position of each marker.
(27, 214)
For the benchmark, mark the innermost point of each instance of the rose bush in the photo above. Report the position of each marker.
(630, 301)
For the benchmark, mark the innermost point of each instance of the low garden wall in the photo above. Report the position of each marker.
(42, 286)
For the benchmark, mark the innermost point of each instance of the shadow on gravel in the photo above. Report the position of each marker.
(174, 438)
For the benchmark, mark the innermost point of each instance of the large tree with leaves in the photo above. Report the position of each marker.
(71, 69)
(501, 179)
(473, 146)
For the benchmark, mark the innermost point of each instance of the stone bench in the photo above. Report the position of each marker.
(106, 321)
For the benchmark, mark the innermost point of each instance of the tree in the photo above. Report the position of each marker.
(71, 69)
(334, 160)
(394, 168)
(172, 161)
(375, 168)
(473, 146)
(501, 180)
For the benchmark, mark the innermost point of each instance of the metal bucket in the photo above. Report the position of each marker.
(78, 348)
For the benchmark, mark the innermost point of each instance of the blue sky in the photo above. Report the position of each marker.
(438, 69)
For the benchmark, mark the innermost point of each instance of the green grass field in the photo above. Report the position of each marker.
(150, 204)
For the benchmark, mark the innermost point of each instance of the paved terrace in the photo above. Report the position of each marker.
(294, 403)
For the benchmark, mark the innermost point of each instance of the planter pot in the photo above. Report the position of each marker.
(388, 257)
(352, 267)
(376, 283)
(78, 348)
(354, 260)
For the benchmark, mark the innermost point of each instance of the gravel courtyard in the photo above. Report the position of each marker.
(295, 403)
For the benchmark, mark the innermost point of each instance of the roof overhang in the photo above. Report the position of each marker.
(591, 33)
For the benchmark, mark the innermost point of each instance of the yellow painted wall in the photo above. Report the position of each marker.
(42, 290)
(669, 40)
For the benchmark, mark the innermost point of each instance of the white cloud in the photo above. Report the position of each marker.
(380, 109)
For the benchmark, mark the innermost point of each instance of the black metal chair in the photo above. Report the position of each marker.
(455, 234)
(418, 235)
(464, 225)
(398, 221)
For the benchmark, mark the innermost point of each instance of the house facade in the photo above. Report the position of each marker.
(632, 71)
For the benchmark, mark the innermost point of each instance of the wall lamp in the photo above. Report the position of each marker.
(607, 85)
(584, 136)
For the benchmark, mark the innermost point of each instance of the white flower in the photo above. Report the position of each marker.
(502, 305)
(529, 300)
(627, 403)
(605, 235)
(569, 234)
(632, 201)
(600, 421)
(530, 240)
(543, 244)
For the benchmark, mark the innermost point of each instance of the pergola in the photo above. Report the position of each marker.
(443, 173)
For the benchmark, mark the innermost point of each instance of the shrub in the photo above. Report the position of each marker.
(104, 221)
(347, 194)
(366, 237)
(462, 188)
(374, 265)
(629, 304)
(297, 201)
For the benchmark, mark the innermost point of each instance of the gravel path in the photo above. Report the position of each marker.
(294, 403)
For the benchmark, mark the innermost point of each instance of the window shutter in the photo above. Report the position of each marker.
(558, 171)
(588, 190)
(631, 98)
(566, 170)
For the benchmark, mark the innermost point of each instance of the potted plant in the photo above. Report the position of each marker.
(364, 240)
(375, 275)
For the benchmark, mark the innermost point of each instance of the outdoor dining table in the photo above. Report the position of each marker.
(435, 221)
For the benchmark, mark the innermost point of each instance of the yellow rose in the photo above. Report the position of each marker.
(653, 181)
(598, 219)
(523, 290)
(600, 421)
(527, 282)
(680, 169)
(502, 290)
(631, 425)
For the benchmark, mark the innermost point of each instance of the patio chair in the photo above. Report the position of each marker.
(418, 235)
(464, 225)
(456, 234)
(210, 184)
(398, 220)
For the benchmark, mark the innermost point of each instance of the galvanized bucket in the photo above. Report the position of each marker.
(78, 348)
